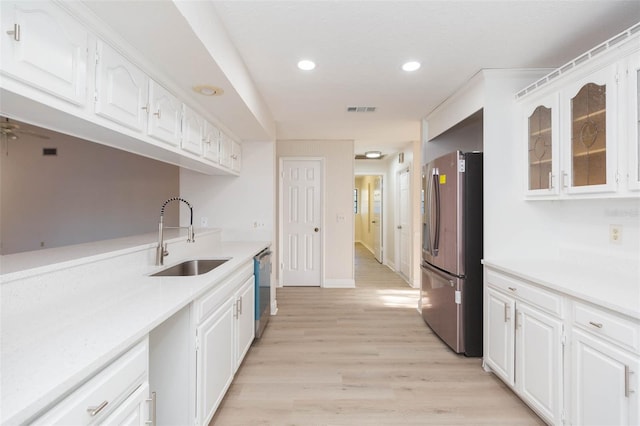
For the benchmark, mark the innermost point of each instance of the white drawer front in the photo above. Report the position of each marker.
(208, 303)
(531, 294)
(622, 331)
(107, 389)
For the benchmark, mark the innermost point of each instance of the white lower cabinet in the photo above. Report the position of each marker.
(604, 384)
(523, 343)
(571, 361)
(116, 395)
(195, 354)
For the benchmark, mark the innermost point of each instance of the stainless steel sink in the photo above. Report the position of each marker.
(190, 267)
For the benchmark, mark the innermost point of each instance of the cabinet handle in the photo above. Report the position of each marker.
(506, 312)
(93, 411)
(236, 313)
(146, 107)
(627, 381)
(15, 32)
(158, 114)
(240, 302)
(564, 179)
(512, 288)
(596, 324)
(152, 410)
(550, 181)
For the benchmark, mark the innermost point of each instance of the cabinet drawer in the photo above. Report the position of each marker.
(622, 331)
(531, 294)
(208, 303)
(109, 388)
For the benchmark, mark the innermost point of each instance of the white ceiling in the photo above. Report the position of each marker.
(359, 47)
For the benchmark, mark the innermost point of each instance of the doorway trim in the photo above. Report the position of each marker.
(397, 230)
(280, 265)
(383, 216)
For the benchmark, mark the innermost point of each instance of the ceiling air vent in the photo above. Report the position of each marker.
(361, 109)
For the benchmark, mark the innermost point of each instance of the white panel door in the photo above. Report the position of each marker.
(122, 89)
(192, 131)
(604, 383)
(246, 325)
(215, 360)
(43, 46)
(499, 311)
(404, 223)
(165, 114)
(539, 361)
(376, 218)
(302, 183)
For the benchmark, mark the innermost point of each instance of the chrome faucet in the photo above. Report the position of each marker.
(161, 250)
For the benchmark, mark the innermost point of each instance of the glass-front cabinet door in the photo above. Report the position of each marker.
(589, 134)
(541, 127)
(634, 122)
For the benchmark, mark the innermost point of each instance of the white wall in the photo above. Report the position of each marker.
(364, 230)
(338, 202)
(88, 192)
(242, 206)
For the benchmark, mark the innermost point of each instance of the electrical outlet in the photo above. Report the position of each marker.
(204, 222)
(615, 234)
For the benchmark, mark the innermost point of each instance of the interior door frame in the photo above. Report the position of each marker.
(281, 162)
(383, 207)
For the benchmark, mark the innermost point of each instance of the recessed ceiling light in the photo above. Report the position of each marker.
(207, 90)
(306, 65)
(373, 154)
(411, 66)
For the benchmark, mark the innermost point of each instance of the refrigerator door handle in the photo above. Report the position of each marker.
(436, 185)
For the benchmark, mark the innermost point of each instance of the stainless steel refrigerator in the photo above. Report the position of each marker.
(451, 293)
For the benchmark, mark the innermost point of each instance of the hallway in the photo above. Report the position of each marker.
(362, 356)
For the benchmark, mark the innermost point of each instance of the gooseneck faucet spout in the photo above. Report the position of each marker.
(161, 250)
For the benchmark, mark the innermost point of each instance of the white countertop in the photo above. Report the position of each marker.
(57, 332)
(617, 289)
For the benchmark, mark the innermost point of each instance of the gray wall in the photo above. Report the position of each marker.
(88, 192)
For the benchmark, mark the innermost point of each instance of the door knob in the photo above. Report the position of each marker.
(316, 229)
(399, 227)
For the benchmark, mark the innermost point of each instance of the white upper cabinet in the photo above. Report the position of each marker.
(192, 131)
(121, 89)
(211, 142)
(46, 48)
(580, 125)
(165, 114)
(236, 156)
(225, 150)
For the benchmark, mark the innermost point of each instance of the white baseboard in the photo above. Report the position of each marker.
(339, 283)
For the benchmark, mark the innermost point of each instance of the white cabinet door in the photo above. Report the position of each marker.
(499, 334)
(45, 47)
(122, 89)
(633, 93)
(192, 131)
(225, 150)
(215, 361)
(134, 411)
(246, 325)
(211, 142)
(236, 156)
(604, 383)
(539, 361)
(165, 114)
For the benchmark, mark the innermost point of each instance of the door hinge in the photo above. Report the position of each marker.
(95, 96)
(461, 166)
(281, 265)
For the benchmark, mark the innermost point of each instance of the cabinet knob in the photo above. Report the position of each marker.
(316, 229)
(158, 113)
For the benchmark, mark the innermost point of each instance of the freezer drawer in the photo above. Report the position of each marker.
(441, 295)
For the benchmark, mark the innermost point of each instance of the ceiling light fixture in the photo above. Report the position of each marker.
(306, 65)
(411, 66)
(373, 154)
(207, 90)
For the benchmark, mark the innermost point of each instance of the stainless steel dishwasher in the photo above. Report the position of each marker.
(262, 272)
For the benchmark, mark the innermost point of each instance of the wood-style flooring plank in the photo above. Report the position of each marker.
(362, 356)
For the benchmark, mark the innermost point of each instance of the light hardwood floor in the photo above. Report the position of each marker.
(362, 356)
